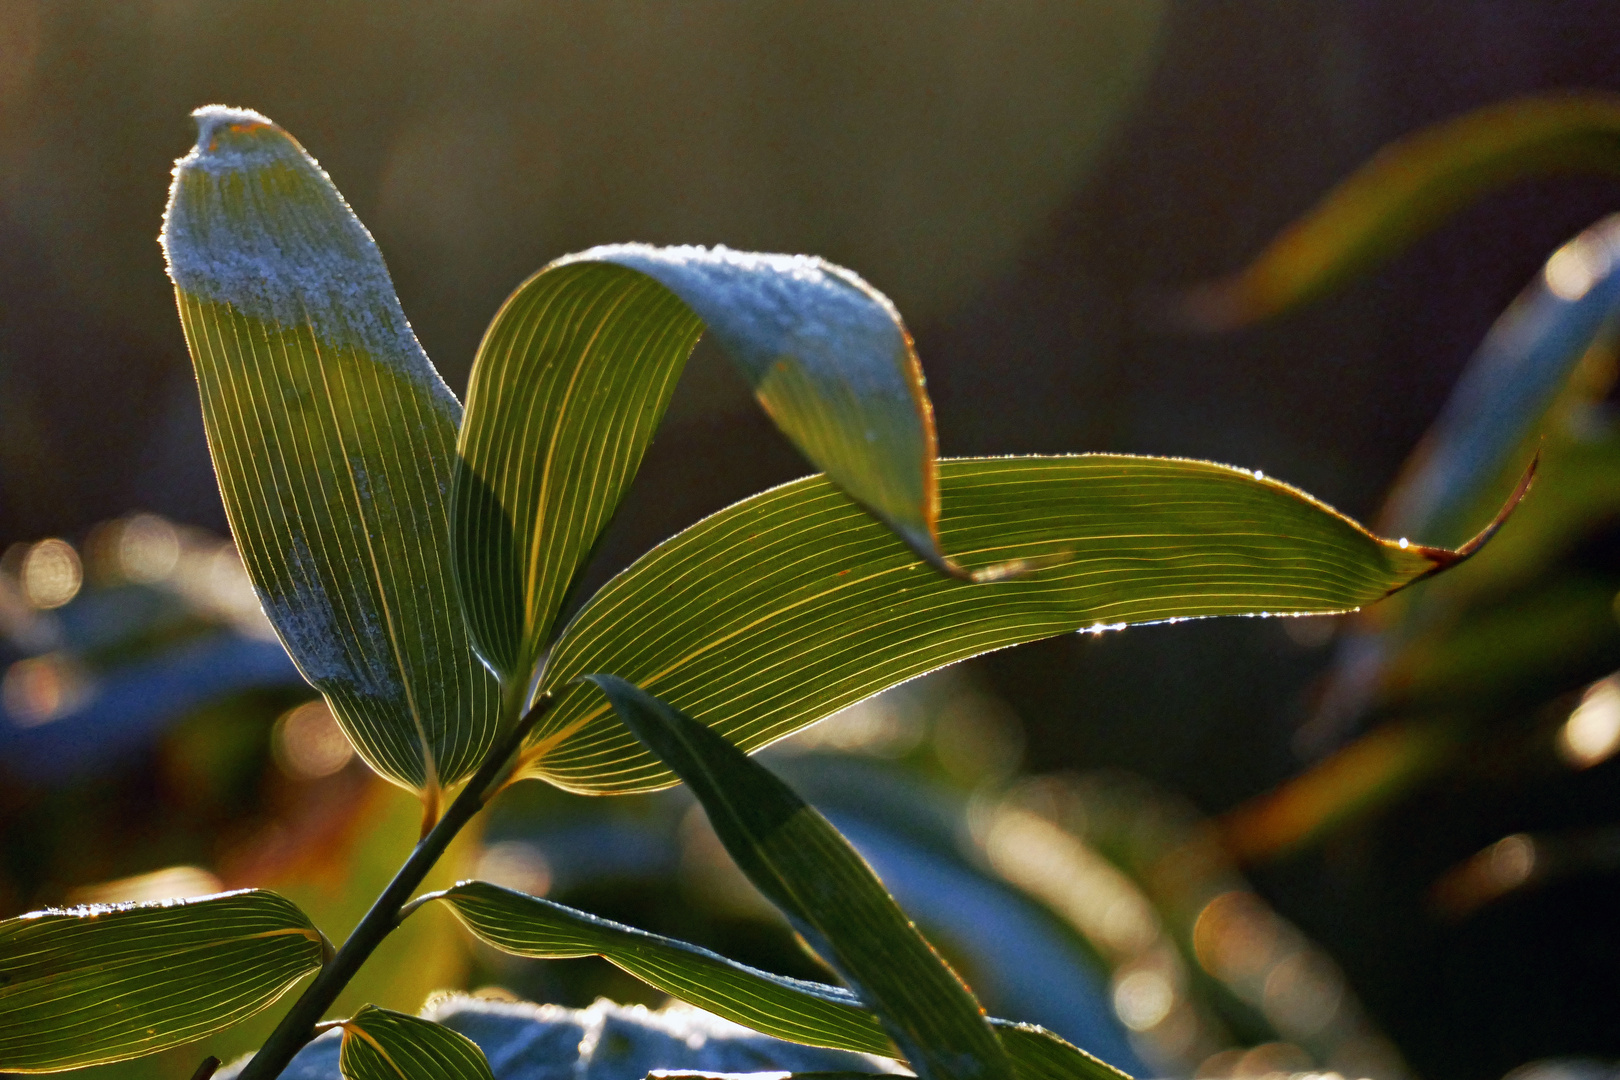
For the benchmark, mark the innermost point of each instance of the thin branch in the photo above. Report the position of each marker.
(298, 1026)
(206, 1069)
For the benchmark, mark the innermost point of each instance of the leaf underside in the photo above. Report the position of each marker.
(793, 604)
(792, 1009)
(85, 986)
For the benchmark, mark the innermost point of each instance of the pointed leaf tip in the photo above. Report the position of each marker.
(1446, 558)
(832, 364)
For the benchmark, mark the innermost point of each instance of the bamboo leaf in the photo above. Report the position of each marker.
(696, 1074)
(333, 438)
(829, 894)
(793, 1009)
(1511, 381)
(1406, 190)
(568, 387)
(84, 986)
(791, 605)
(380, 1044)
(577, 368)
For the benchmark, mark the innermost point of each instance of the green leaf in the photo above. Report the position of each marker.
(84, 986)
(568, 387)
(803, 1012)
(380, 1044)
(698, 1074)
(1406, 190)
(333, 439)
(829, 894)
(791, 605)
(574, 375)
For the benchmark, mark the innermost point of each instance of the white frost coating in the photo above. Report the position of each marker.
(763, 307)
(294, 261)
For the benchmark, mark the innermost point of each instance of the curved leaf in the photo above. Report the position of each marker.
(569, 385)
(1407, 189)
(792, 604)
(380, 1044)
(577, 368)
(793, 1009)
(1509, 384)
(83, 986)
(829, 894)
(333, 439)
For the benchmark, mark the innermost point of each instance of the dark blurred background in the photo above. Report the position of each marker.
(1031, 183)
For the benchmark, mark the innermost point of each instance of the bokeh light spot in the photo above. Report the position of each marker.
(1592, 732)
(42, 688)
(1143, 998)
(308, 744)
(51, 574)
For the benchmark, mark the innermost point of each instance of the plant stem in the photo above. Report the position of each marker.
(298, 1026)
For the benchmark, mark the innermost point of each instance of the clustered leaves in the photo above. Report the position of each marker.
(415, 562)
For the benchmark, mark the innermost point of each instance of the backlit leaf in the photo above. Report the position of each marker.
(1407, 189)
(333, 439)
(792, 604)
(380, 1044)
(574, 375)
(826, 890)
(83, 986)
(793, 1009)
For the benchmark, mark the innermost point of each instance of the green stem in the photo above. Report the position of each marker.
(298, 1026)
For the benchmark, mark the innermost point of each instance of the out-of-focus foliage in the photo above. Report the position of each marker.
(1411, 186)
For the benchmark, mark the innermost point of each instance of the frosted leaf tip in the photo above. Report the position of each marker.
(219, 137)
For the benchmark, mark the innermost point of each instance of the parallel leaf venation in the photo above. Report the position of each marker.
(793, 604)
(86, 986)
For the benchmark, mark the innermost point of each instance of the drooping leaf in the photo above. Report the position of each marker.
(333, 439)
(826, 890)
(83, 986)
(574, 375)
(792, 604)
(793, 1009)
(1408, 188)
(380, 1044)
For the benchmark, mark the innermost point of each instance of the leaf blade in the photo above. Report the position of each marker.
(569, 384)
(380, 1044)
(1405, 190)
(88, 986)
(791, 605)
(332, 437)
(576, 371)
(829, 894)
(791, 1009)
